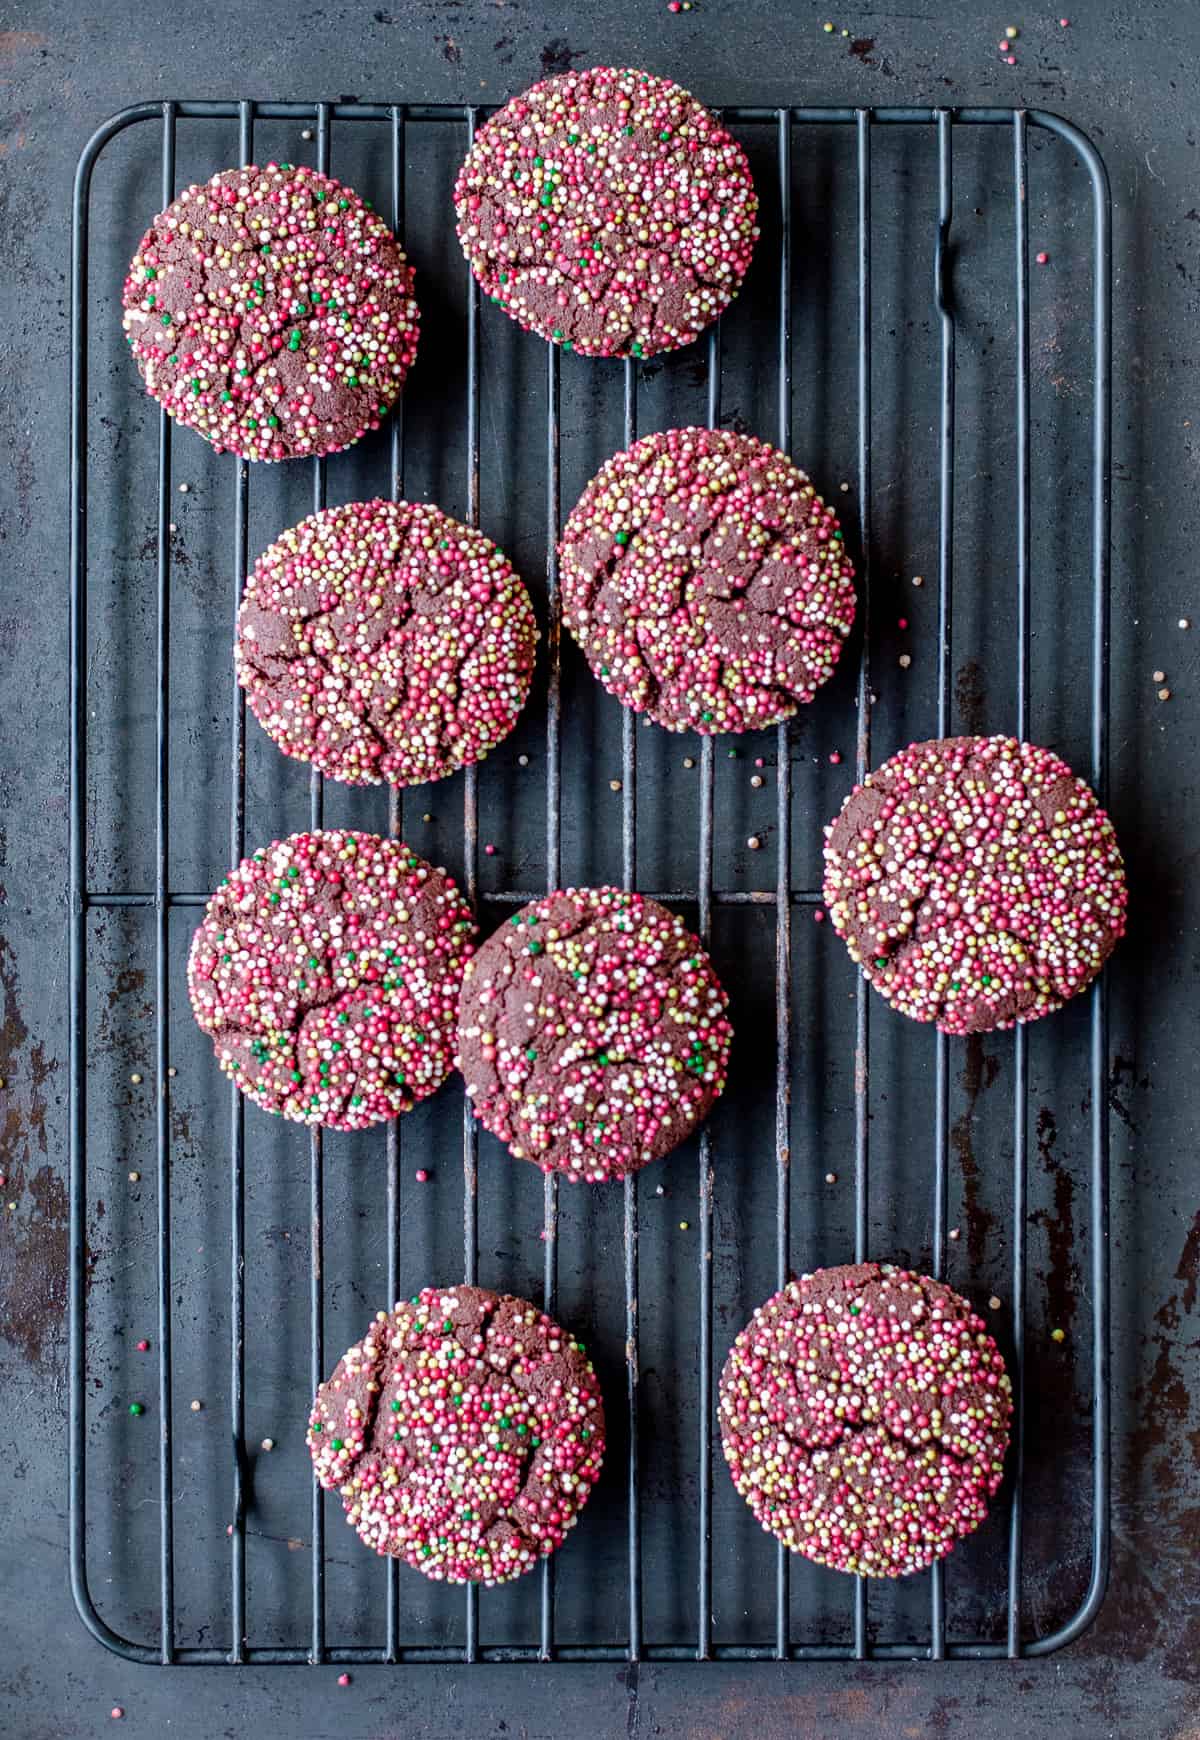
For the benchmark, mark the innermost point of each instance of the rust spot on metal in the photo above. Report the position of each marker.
(970, 696)
(1189, 1264)
(979, 1072)
(1062, 1277)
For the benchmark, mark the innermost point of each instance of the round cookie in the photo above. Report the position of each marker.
(977, 882)
(607, 210)
(384, 641)
(327, 970)
(271, 310)
(706, 581)
(464, 1434)
(592, 1033)
(864, 1414)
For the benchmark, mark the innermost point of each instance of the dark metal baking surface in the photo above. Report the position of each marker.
(666, 1565)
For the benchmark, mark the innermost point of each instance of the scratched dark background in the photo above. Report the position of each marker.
(1127, 76)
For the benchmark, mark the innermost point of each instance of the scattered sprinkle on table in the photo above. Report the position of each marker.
(683, 1225)
(136, 1079)
(993, 1303)
(953, 1233)
(197, 1404)
(904, 661)
(421, 1176)
(135, 1178)
(268, 1444)
(1058, 1335)
(116, 1712)
(754, 842)
(1183, 623)
(343, 1679)
(918, 579)
(136, 1408)
(756, 780)
(818, 916)
(1011, 32)
(614, 785)
(688, 762)
(489, 850)
(1164, 694)
(831, 1178)
(143, 1347)
(1159, 676)
(184, 488)
(1043, 259)
(522, 761)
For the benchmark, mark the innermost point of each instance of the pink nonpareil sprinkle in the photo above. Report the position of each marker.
(143, 1347)
(903, 622)
(759, 762)
(421, 1176)
(818, 916)
(116, 1712)
(835, 757)
(1043, 259)
(343, 1679)
(490, 850)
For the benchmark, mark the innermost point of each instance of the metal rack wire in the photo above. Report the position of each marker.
(395, 119)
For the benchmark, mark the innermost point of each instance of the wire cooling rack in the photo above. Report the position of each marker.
(625, 1634)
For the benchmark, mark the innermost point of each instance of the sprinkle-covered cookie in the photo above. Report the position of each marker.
(271, 310)
(864, 1413)
(327, 971)
(977, 882)
(464, 1434)
(607, 210)
(384, 641)
(592, 1033)
(706, 581)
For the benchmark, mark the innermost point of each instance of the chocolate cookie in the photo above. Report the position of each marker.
(272, 311)
(464, 1434)
(864, 1413)
(384, 641)
(592, 1033)
(706, 581)
(976, 881)
(608, 211)
(327, 971)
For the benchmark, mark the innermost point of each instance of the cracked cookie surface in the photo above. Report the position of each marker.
(326, 971)
(592, 1033)
(864, 1413)
(608, 211)
(706, 581)
(384, 641)
(464, 1434)
(271, 310)
(976, 881)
